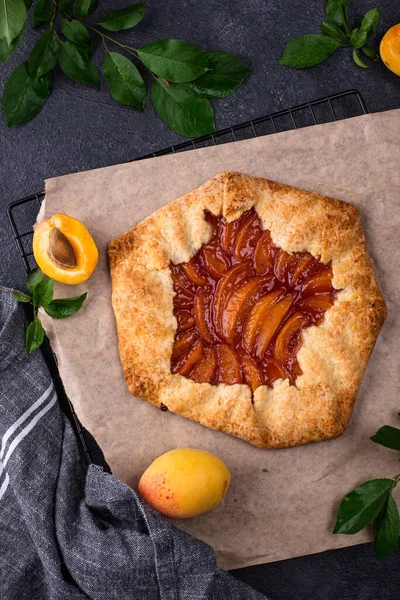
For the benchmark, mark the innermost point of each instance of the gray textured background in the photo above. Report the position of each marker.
(81, 129)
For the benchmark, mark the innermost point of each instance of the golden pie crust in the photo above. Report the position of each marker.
(334, 354)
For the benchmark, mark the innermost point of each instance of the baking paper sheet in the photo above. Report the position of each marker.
(281, 503)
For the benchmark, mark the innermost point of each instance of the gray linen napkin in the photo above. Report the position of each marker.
(72, 531)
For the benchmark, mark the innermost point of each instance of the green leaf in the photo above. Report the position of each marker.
(125, 18)
(387, 529)
(174, 60)
(23, 96)
(43, 292)
(306, 51)
(360, 35)
(124, 80)
(21, 296)
(387, 436)
(12, 19)
(42, 12)
(35, 276)
(336, 10)
(77, 66)
(77, 33)
(359, 508)
(6, 50)
(371, 51)
(358, 60)
(43, 58)
(332, 29)
(84, 8)
(226, 74)
(65, 5)
(65, 307)
(34, 335)
(181, 111)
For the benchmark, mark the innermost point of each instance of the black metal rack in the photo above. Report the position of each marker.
(22, 213)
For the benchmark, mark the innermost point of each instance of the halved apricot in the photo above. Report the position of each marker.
(205, 370)
(228, 365)
(272, 321)
(288, 340)
(252, 373)
(64, 249)
(257, 317)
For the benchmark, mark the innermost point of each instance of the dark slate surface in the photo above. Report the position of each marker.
(80, 129)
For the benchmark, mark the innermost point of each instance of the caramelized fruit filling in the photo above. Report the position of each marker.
(242, 303)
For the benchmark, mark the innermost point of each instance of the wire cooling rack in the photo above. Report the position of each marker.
(22, 213)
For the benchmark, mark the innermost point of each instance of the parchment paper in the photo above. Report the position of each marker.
(281, 503)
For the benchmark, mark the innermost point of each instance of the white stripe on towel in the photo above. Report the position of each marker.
(23, 418)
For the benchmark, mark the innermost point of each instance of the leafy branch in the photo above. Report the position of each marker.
(42, 296)
(309, 50)
(373, 503)
(184, 79)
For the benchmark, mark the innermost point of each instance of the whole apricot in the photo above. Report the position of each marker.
(64, 249)
(185, 482)
(390, 49)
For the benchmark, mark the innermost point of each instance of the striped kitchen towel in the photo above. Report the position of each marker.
(69, 531)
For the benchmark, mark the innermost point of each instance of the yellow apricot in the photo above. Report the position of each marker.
(390, 49)
(185, 482)
(64, 249)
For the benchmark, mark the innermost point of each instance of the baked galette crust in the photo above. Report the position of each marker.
(333, 356)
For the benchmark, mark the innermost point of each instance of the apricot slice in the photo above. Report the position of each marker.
(228, 365)
(235, 306)
(188, 360)
(224, 290)
(264, 254)
(64, 249)
(320, 282)
(180, 280)
(185, 320)
(288, 340)
(193, 273)
(271, 322)
(185, 482)
(300, 271)
(256, 319)
(283, 262)
(252, 373)
(228, 234)
(183, 343)
(214, 261)
(203, 318)
(204, 371)
(183, 298)
(247, 235)
(275, 370)
(320, 302)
